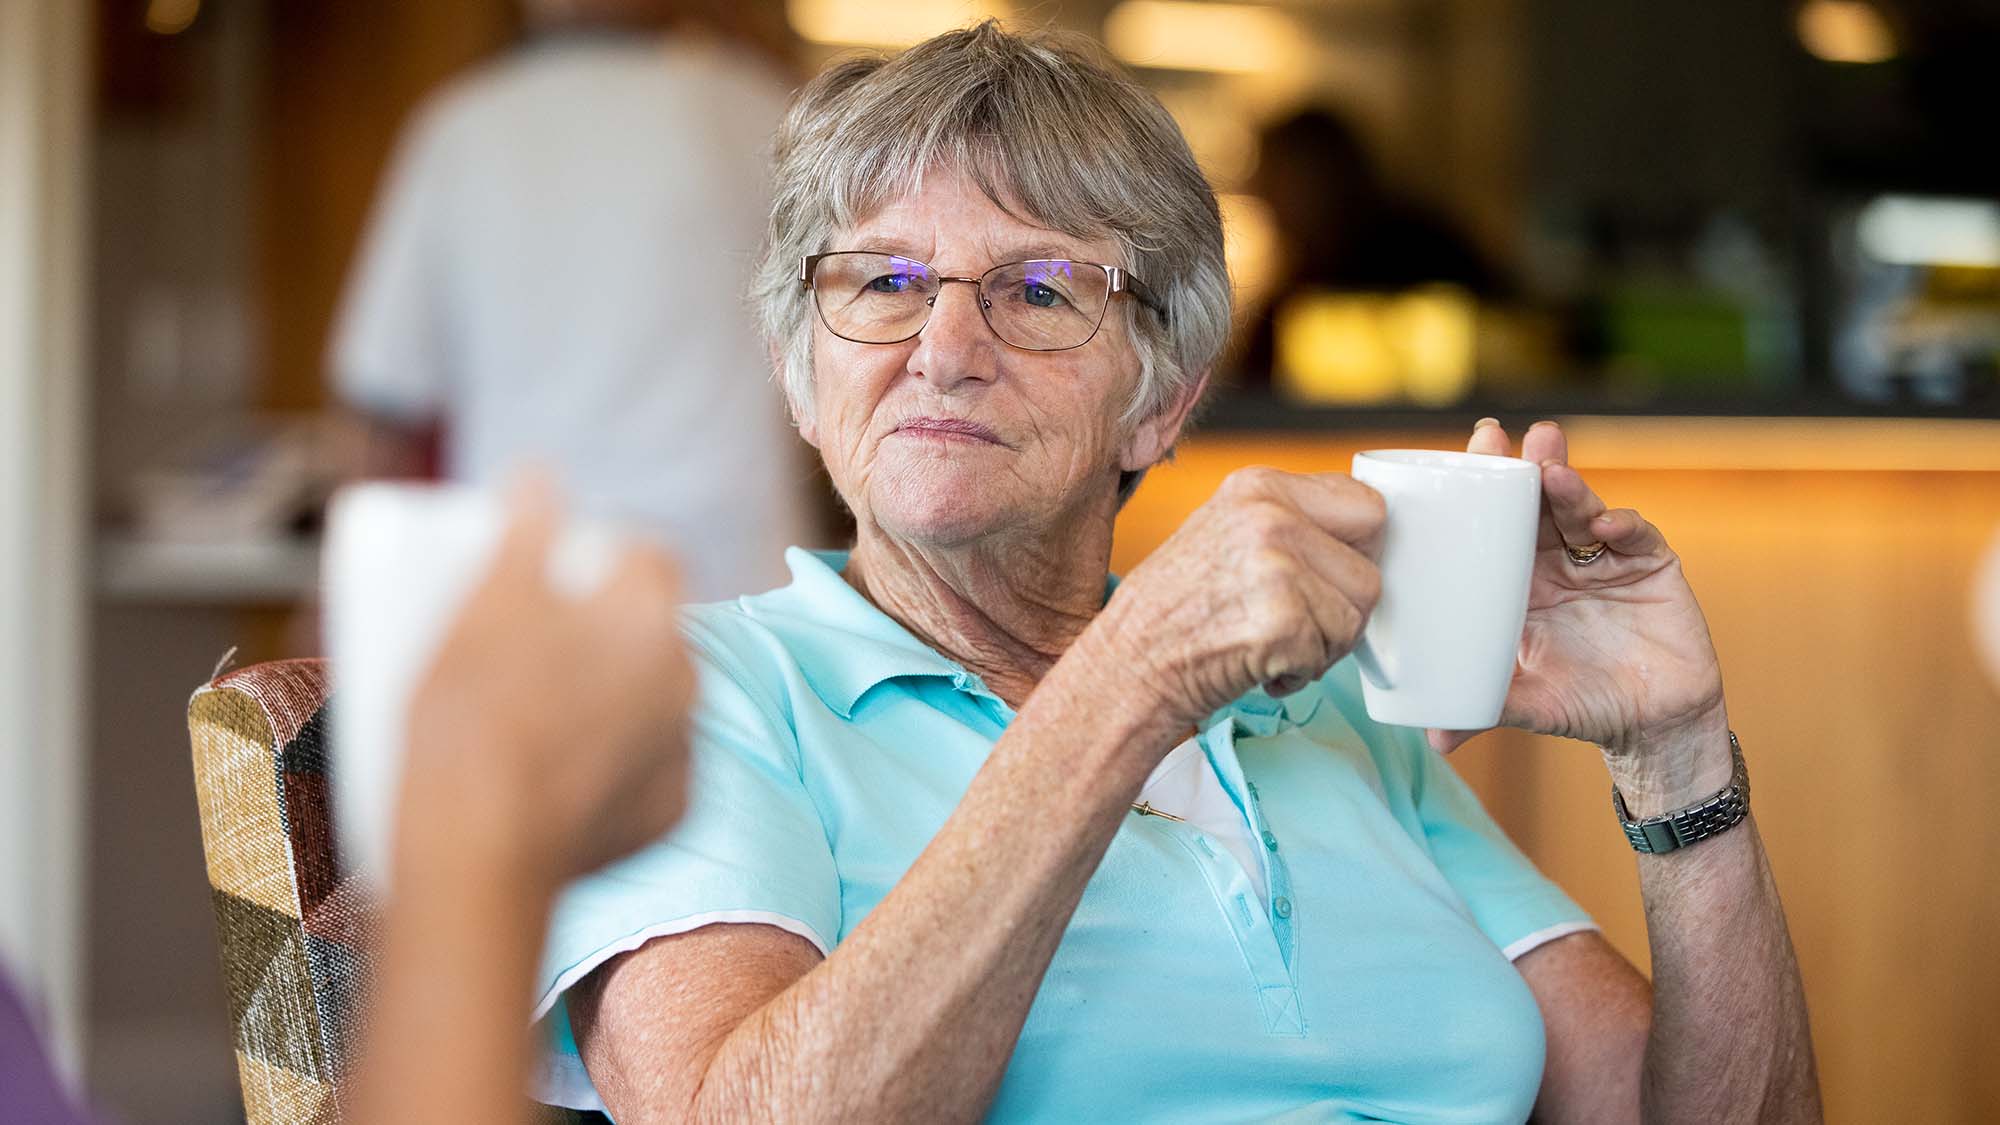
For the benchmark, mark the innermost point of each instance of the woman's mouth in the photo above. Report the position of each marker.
(957, 429)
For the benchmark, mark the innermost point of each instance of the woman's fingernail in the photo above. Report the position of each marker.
(1486, 422)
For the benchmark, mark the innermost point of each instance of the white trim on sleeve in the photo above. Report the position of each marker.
(1544, 936)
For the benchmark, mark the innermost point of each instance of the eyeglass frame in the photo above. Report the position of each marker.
(1120, 280)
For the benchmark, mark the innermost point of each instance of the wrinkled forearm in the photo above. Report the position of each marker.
(916, 1014)
(1729, 1038)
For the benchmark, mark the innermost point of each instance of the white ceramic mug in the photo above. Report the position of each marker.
(399, 562)
(1457, 554)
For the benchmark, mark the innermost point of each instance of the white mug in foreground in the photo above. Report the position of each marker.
(400, 561)
(1457, 555)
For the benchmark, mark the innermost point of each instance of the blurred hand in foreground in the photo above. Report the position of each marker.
(548, 738)
(558, 721)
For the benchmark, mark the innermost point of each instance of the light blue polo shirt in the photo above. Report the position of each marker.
(1372, 983)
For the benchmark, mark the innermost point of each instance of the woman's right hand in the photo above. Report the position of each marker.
(549, 727)
(1268, 583)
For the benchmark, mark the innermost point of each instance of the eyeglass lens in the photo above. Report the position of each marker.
(1043, 305)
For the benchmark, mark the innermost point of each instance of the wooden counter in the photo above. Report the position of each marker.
(1833, 559)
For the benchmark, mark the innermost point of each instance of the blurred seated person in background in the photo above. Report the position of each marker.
(548, 737)
(920, 877)
(554, 272)
(1342, 229)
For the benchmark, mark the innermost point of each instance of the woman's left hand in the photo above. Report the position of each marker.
(1615, 651)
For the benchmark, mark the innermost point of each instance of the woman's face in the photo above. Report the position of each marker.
(1056, 444)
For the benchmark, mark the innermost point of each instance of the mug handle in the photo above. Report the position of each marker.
(1372, 665)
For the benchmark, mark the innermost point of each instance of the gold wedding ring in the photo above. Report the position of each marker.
(1586, 554)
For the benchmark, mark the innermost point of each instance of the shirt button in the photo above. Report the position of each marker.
(1282, 906)
(1270, 842)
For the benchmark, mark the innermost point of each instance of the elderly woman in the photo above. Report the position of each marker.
(917, 879)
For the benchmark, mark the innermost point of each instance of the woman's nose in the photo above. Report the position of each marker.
(956, 344)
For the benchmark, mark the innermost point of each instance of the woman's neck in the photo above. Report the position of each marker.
(1004, 608)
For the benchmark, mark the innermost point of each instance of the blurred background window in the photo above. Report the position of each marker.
(1565, 205)
(1548, 205)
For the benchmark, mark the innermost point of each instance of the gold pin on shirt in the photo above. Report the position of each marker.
(1145, 808)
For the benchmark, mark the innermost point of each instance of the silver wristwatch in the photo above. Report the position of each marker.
(1678, 829)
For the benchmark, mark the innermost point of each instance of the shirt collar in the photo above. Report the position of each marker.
(1259, 715)
(845, 646)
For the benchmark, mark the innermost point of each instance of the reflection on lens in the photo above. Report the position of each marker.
(873, 298)
(1046, 305)
(1042, 305)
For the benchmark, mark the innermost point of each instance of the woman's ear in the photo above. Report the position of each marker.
(801, 420)
(1153, 438)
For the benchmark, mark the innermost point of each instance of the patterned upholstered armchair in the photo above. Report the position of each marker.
(295, 928)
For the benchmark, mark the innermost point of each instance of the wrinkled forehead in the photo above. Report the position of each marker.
(957, 220)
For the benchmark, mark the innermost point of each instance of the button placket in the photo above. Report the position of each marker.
(1251, 925)
(1219, 742)
(1278, 877)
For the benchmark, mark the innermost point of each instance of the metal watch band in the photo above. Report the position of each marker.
(1697, 822)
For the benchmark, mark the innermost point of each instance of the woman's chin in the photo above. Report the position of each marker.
(939, 512)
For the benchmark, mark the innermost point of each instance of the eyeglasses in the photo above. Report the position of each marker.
(1045, 305)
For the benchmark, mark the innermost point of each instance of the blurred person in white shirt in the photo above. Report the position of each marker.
(555, 270)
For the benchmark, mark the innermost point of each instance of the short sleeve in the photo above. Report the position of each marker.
(388, 351)
(751, 848)
(1512, 902)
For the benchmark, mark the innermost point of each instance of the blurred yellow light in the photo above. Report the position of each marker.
(874, 23)
(1250, 246)
(171, 17)
(1330, 348)
(1353, 349)
(1183, 35)
(1434, 329)
(1845, 31)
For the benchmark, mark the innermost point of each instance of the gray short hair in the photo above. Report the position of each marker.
(1042, 122)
